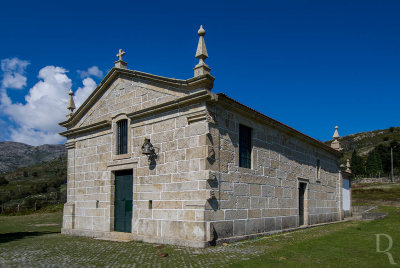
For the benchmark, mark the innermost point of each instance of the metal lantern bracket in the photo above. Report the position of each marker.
(149, 150)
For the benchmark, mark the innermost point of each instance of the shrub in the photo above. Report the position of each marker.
(3, 181)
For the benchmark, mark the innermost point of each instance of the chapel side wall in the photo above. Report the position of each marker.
(175, 183)
(265, 198)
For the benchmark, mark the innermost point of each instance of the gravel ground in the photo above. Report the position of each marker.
(56, 250)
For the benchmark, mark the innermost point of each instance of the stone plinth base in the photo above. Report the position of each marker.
(123, 237)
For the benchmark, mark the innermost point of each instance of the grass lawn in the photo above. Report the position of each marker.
(34, 240)
(377, 193)
(349, 244)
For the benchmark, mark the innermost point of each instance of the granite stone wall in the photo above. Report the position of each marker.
(169, 192)
(193, 193)
(264, 198)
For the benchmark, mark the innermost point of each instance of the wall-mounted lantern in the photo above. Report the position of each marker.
(149, 150)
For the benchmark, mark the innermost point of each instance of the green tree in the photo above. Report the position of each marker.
(374, 163)
(384, 154)
(357, 165)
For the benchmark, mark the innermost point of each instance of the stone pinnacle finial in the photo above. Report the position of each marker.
(120, 63)
(336, 133)
(335, 144)
(201, 53)
(71, 104)
(348, 166)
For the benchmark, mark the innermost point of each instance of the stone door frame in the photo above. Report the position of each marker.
(305, 216)
(112, 168)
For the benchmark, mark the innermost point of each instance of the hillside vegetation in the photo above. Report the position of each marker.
(370, 152)
(34, 187)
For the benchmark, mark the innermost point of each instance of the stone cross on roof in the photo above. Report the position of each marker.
(201, 53)
(120, 54)
(120, 63)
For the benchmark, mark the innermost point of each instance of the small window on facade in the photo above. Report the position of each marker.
(122, 137)
(244, 146)
(318, 168)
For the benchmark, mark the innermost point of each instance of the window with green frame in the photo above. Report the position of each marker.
(122, 136)
(245, 146)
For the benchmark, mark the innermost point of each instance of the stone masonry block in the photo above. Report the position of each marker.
(242, 202)
(183, 186)
(197, 152)
(254, 213)
(167, 204)
(268, 191)
(235, 214)
(255, 226)
(255, 189)
(222, 229)
(241, 189)
(239, 227)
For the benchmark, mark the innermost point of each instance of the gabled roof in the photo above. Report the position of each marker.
(205, 81)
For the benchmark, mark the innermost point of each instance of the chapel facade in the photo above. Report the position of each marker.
(166, 160)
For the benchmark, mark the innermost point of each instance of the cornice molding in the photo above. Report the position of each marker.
(85, 129)
(70, 145)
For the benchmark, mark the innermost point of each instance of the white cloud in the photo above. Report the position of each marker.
(36, 121)
(83, 92)
(35, 137)
(46, 102)
(92, 71)
(4, 130)
(13, 73)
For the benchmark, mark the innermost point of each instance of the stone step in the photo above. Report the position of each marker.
(117, 236)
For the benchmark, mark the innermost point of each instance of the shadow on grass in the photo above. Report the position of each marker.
(8, 237)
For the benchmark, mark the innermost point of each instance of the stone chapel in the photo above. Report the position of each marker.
(166, 160)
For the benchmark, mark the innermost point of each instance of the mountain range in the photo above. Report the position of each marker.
(14, 155)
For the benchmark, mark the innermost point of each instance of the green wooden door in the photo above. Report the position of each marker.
(123, 201)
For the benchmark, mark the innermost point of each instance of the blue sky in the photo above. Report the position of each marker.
(309, 64)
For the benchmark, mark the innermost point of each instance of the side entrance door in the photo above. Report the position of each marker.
(302, 190)
(123, 201)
